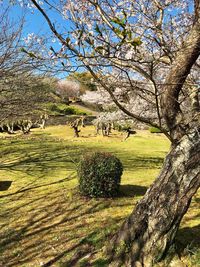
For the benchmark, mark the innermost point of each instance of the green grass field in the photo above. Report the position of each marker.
(44, 220)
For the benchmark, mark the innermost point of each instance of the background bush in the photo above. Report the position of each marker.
(73, 111)
(99, 175)
(63, 109)
(123, 126)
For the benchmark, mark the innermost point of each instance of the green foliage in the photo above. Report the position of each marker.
(136, 41)
(97, 29)
(99, 48)
(63, 109)
(101, 263)
(154, 130)
(123, 32)
(84, 78)
(99, 175)
(72, 110)
(122, 126)
(54, 107)
(29, 53)
(23, 50)
(195, 258)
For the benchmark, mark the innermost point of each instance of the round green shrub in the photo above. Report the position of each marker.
(99, 175)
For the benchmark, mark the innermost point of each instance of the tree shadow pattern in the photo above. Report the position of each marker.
(47, 223)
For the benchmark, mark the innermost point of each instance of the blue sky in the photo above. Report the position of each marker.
(35, 23)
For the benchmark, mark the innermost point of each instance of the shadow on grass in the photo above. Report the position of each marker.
(197, 199)
(128, 190)
(188, 238)
(24, 189)
(79, 254)
(100, 263)
(72, 220)
(46, 222)
(38, 155)
(133, 162)
(46, 217)
(4, 185)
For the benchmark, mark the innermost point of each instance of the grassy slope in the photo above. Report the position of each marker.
(63, 109)
(45, 222)
(84, 108)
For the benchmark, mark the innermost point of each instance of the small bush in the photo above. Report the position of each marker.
(99, 175)
(154, 130)
(74, 111)
(69, 111)
(66, 110)
(54, 107)
(123, 126)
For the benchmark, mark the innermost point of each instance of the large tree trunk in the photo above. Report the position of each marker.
(149, 231)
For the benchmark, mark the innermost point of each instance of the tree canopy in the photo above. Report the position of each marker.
(23, 87)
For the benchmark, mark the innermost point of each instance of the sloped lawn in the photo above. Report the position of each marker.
(44, 220)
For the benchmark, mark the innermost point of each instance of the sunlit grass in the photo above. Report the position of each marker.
(44, 220)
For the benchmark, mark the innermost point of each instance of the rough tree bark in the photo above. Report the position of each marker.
(150, 230)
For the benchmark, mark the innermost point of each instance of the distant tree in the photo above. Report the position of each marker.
(85, 79)
(22, 91)
(68, 89)
(76, 125)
